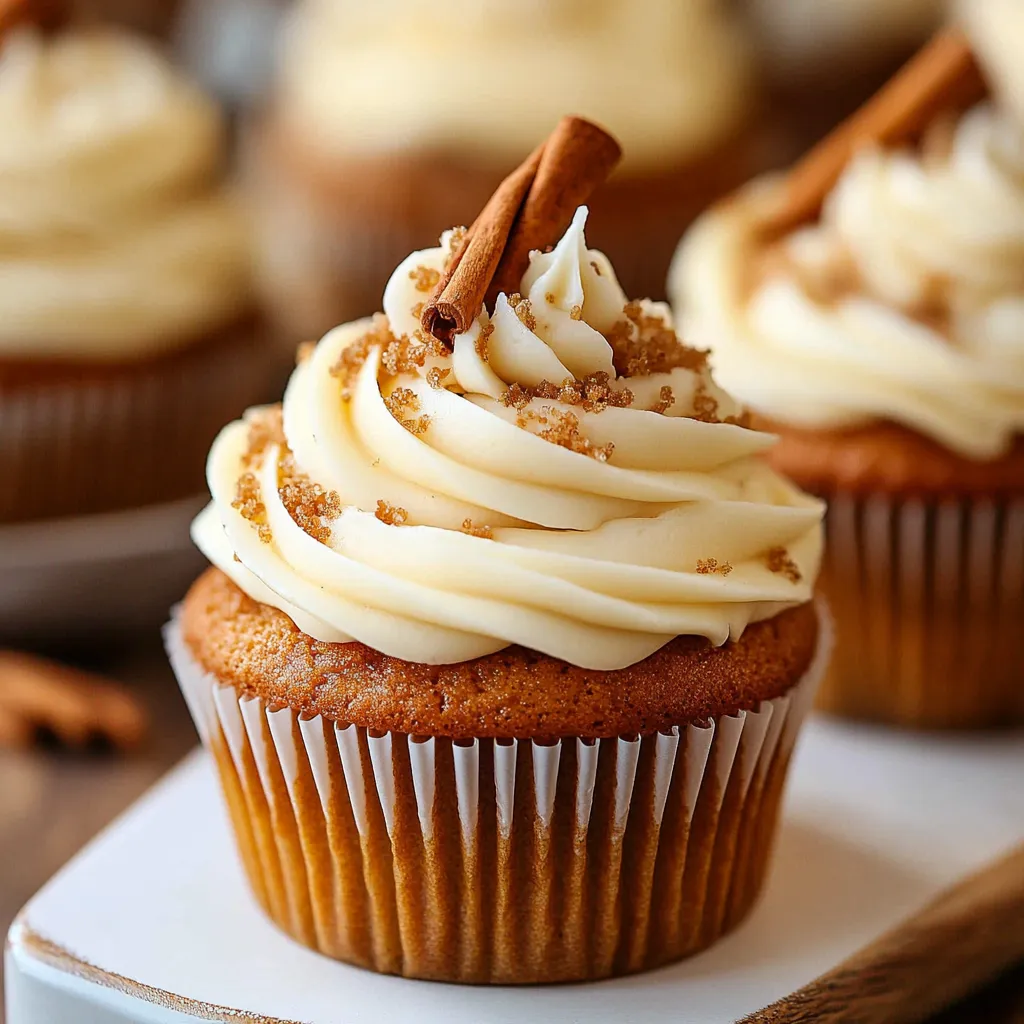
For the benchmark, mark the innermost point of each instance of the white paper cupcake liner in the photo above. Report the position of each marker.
(928, 598)
(499, 861)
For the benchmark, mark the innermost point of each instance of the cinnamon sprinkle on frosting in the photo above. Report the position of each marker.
(482, 340)
(402, 403)
(309, 504)
(563, 429)
(435, 377)
(483, 532)
(249, 503)
(425, 278)
(709, 566)
(665, 400)
(778, 561)
(392, 515)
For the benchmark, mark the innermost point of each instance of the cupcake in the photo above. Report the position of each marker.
(129, 329)
(884, 342)
(820, 60)
(502, 676)
(392, 121)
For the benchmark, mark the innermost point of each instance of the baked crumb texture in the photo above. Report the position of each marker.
(453, 860)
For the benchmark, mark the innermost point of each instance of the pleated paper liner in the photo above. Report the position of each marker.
(329, 237)
(928, 599)
(96, 442)
(500, 861)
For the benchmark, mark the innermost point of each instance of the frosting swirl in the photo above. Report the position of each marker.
(115, 235)
(904, 303)
(360, 78)
(439, 506)
(996, 31)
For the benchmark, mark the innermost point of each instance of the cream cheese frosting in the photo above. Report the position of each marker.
(116, 236)
(905, 302)
(439, 506)
(483, 78)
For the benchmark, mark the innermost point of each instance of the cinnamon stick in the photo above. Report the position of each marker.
(943, 75)
(527, 211)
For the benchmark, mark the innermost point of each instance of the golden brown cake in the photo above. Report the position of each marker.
(573, 900)
(372, 146)
(502, 676)
(128, 321)
(882, 342)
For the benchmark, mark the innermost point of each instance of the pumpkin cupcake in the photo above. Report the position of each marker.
(392, 121)
(501, 675)
(884, 342)
(129, 327)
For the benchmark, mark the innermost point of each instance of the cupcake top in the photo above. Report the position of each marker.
(485, 79)
(903, 303)
(116, 237)
(568, 478)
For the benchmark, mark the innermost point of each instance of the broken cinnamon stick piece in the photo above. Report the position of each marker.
(943, 75)
(39, 696)
(527, 211)
(48, 15)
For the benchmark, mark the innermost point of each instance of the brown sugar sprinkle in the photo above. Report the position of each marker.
(705, 406)
(643, 344)
(563, 429)
(709, 566)
(576, 313)
(778, 561)
(665, 400)
(550, 298)
(308, 503)
(250, 506)
(266, 427)
(483, 532)
(403, 355)
(596, 268)
(516, 397)
(304, 351)
(435, 377)
(417, 310)
(352, 357)
(524, 310)
(393, 515)
(401, 403)
(592, 393)
(483, 340)
(425, 278)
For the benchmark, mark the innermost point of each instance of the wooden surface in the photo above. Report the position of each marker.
(51, 804)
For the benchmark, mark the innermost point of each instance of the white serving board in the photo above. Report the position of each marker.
(152, 922)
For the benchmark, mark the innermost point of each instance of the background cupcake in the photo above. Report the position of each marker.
(128, 327)
(821, 60)
(885, 342)
(502, 676)
(393, 121)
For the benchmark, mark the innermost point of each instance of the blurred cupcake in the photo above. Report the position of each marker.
(822, 58)
(885, 343)
(128, 327)
(393, 121)
(502, 677)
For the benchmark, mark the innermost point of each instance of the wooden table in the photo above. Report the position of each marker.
(50, 805)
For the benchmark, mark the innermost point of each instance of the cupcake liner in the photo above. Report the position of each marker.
(499, 861)
(74, 444)
(928, 597)
(328, 238)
